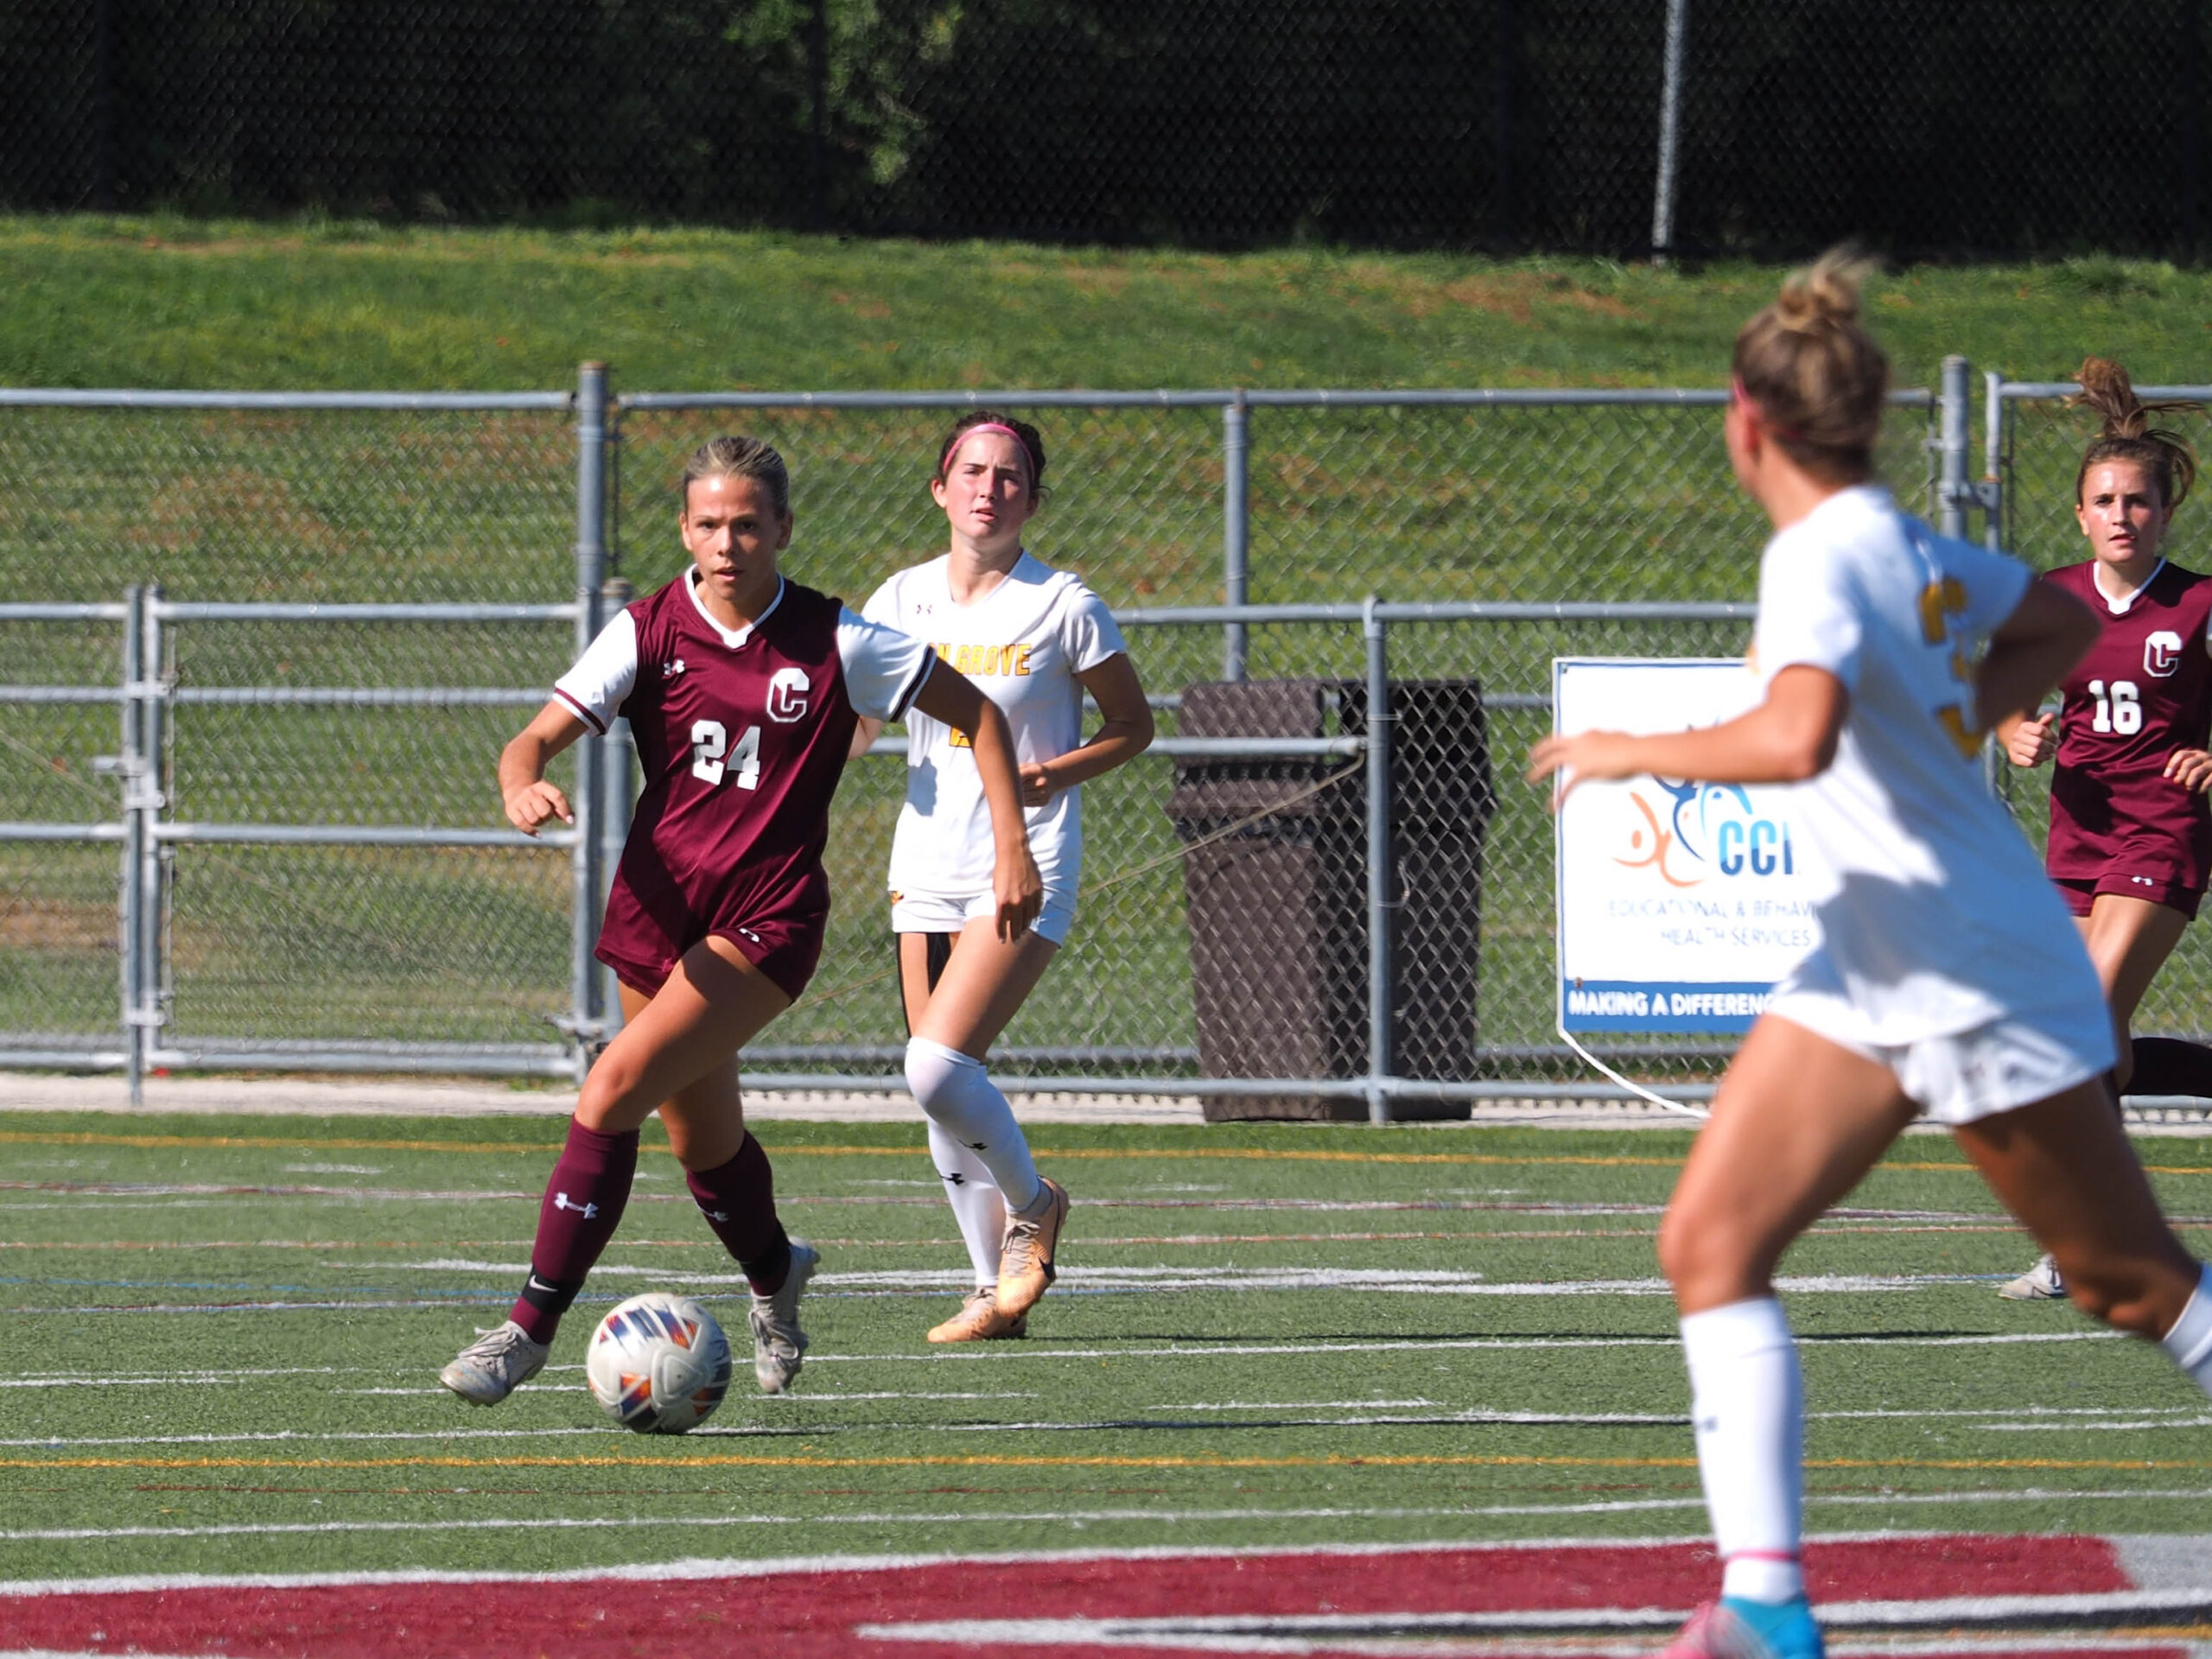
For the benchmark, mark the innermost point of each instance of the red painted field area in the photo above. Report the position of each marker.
(1316, 1602)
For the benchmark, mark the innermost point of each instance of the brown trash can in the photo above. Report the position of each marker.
(1277, 907)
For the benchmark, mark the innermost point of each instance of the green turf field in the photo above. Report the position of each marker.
(221, 1337)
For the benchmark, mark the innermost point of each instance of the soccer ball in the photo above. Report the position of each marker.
(658, 1363)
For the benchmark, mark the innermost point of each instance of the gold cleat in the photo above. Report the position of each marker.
(980, 1321)
(1025, 1258)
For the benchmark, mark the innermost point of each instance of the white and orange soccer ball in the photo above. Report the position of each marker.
(658, 1364)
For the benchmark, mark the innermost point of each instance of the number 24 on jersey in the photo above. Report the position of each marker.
(712, 756)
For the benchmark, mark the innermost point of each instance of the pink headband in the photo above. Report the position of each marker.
(1788, 435)
(967, 432)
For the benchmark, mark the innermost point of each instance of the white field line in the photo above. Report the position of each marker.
(1079, 1518)
(1008, 1352)
(136, 1193)
(2082, 1419)
(1441, 1635)
(1421, 1281)
(768, 1566)
(1587, 1647)
(158, 1379)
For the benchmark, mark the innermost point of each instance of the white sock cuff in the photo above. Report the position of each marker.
(1736, 1329)
(935, 1051)
(2190, 1340)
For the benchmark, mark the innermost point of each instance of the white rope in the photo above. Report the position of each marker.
(1638, 1089)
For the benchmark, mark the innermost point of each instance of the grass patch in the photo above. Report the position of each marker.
(170, 301)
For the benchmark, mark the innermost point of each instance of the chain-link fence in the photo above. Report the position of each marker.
(265, 643)
(2018, 126)
(268, 647)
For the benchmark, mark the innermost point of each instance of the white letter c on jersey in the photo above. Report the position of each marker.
(788, 688)
(2162, 654)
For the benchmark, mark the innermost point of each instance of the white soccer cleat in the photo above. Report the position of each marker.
(2041, 1283)
(493, 1366)
(779, 1345)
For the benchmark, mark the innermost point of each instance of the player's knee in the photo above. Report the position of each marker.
(602, 1101)
(935, 1072)
(1707, 1259)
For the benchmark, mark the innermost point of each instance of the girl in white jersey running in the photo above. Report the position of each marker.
(1949, 979)
(1035, 639)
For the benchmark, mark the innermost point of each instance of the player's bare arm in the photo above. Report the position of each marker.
(1787, 739)
(865, 732)
(1125, 731)
(2030, 652)
(957, 701)
(530, 800)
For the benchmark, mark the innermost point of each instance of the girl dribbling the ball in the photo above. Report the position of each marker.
(743, 691)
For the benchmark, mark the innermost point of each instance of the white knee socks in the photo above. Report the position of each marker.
(977, 1204)
(1747, 1405)
(2190, 1340)
(961, 1099)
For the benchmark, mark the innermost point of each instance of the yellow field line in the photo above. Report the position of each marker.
(1007, 1460)
(1261, 1154)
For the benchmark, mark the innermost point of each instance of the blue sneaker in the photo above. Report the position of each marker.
(1735, 1628)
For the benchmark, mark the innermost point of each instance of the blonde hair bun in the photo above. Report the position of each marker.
(1825, 294)
(1815, 375)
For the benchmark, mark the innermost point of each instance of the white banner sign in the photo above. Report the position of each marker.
(1679, 903)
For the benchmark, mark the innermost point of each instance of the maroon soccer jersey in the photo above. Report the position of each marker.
(2144, 691)
(742, 737)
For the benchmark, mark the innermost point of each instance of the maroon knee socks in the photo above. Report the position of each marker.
(584, 1197)
(738, 1199)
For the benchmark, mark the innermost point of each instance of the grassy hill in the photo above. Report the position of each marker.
(89, 301)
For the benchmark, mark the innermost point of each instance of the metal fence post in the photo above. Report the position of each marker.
(588, 1026)
(1235, 526)
(616, 775)
(144, 799)
(130, 767)
(1670, 127)
(1955, 490)
(1379, 872)
(1994, 416)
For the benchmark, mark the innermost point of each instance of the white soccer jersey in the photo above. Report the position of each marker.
(1023, 643)
(1937, 917)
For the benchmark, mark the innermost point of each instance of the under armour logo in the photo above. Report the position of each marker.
(958, 1179)
(750, 934)
(715, 1215)
(979, 1146)
(2143, 880)
(671, 670)
(562, 1201)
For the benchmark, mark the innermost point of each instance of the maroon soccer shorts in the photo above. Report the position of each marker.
(787, 948)
(2080, 893)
